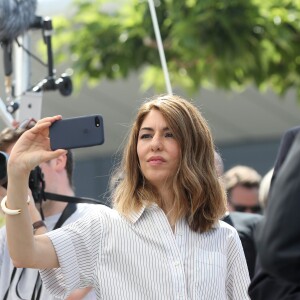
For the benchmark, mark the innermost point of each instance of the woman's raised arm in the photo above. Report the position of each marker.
(32, 148)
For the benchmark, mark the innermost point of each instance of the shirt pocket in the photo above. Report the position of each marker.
(210, 275)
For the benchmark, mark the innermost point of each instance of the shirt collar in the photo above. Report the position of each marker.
(135, 215)
(216, 225)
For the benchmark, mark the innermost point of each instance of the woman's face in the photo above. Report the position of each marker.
(157, 150)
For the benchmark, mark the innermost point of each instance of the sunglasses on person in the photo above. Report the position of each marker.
(244, 208)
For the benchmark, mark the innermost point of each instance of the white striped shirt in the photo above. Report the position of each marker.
(25, 279)
(144, 259)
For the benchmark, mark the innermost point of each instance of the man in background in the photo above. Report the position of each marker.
(16, 283)
(242, 186)
(244, 223)
(277, 275)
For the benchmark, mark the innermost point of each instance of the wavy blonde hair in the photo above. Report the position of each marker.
(199, 196)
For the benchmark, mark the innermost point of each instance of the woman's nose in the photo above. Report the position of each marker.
(156, 143)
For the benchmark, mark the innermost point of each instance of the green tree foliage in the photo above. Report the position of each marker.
(225, 44)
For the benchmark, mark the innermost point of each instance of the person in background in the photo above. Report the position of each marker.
(164, 230)
(277, 277)
(244, 223)
(242, 186)
(19, 283)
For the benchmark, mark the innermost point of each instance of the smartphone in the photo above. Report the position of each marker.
(78, 132)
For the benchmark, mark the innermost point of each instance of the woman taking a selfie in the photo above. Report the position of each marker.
(163, 238)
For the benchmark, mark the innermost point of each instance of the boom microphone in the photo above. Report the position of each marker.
(16, 16)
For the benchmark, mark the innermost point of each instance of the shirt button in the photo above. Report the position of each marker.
(177, 264)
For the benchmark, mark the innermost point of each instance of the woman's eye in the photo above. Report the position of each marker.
(169, 134)
(145, 136)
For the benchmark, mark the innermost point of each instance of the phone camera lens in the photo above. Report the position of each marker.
(97, 121)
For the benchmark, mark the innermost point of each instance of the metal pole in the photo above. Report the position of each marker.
(21, 70)
(160, 46)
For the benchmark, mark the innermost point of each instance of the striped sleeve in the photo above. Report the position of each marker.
(238, 279)
(2, 243)
(78, 246)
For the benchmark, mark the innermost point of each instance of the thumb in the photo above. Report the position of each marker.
(53, 154)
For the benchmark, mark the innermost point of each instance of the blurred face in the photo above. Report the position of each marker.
(157, 150)
(244, 199)
(49, 176)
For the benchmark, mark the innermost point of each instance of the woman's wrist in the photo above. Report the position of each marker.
(8, 211)
(37, 225)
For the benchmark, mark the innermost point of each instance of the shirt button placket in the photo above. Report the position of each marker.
(180, 278)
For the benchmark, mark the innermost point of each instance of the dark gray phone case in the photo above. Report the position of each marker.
(78, 132)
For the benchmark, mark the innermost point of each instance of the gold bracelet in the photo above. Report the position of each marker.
(8, 211)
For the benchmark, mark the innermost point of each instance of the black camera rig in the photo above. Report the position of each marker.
(37, 186)
(50, 83)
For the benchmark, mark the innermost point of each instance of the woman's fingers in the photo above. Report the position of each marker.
(49, 119)
(48, 155)
(33, 147)
(45, 123)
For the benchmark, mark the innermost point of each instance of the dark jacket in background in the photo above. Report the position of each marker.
(279, 237)
(286, 142)
(264, 285)
(245, 224)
